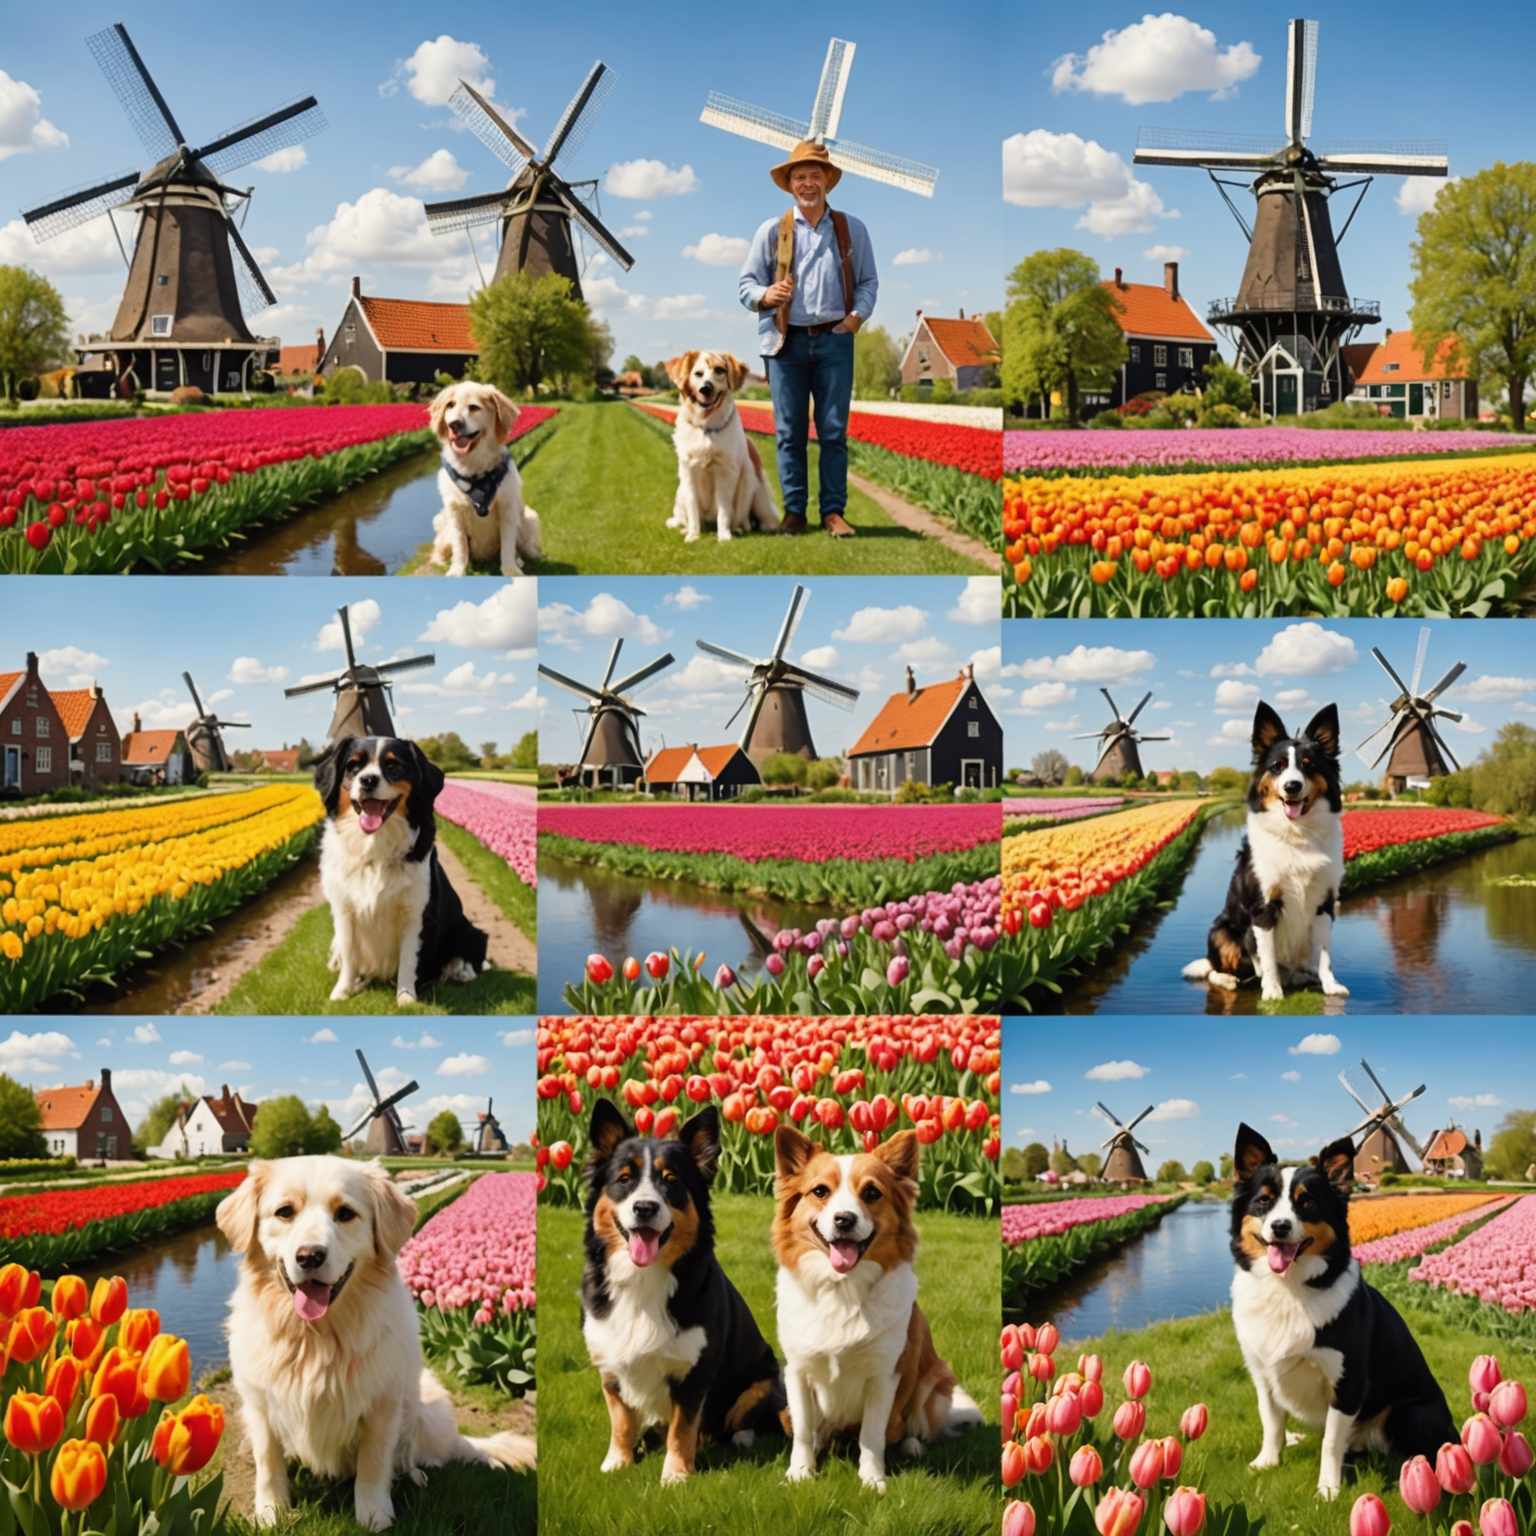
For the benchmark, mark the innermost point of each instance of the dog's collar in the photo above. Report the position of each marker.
(725, 417)
(481, 489)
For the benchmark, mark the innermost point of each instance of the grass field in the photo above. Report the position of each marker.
(494, 876)
(295, 979)
(952, 1492)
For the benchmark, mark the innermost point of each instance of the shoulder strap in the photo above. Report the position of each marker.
(785, 264)
(845, 250)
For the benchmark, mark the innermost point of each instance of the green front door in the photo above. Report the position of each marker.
(1415, 399)
(1285, 394)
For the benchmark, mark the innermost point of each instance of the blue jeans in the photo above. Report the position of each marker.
(811, 369)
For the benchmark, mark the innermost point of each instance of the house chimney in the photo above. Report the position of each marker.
(224, 1092)
(31, 662)
(911, 686)
(1171, 278)
(1477, 1140)
(319, 345)
(136, 726)
(357, 287)
(962, 314)
(106, 1079)
(1119, 279)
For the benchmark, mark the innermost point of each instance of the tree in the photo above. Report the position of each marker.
(1062, 1161)
(1036, 1160)
(1091, 1164)
(1225, 781)
(1074, 777)
(1171, 1172)
(1226, 1165)
(1513, 1148)
(530, 330)
(1474, 279)
(34, 328)
(323, 1135)
(526, 753)
(1226, 385)
(876, 363)
(1050, 766)
(1012, 1165)
(784, 768)
(449, 752)
(1060, 331)
(21, 1122)
(1202, 1172)
(824, 773)
(282, 1128)
(632, 364)
(1504, 776)
(156, 1125)
(443, 1134)
(600, 349)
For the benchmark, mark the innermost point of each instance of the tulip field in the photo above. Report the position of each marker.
(1453, 538)
(1381, 844)
(848, 1083)
(1371, 1246)
(503, 816)
(1046, 1242)
(1496, 1263)
(82, 895)
(1027, 814)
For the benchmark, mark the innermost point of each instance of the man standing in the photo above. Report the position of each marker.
(810, 277)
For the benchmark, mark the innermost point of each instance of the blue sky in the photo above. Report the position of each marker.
(135, 638)
(1401, 73)
(682, 197)
(1210, 1074)
(1052, 674)
(459, 1063)
(854, 630)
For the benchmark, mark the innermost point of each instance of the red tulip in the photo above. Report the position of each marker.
(1507, 1405)
(1419, 1486)
(1010, 1418)
(1195, 1419)
(38, 535)
(560, 1154)
(1039, 1453)
(1482, 1439)
(1047, 1338)
(1184, 1513)
(13, 1285)
(1173, 1456)
(32, 1331)
(1498, 1519)
(103, 1419)
(33, 1423)
(656, 965)
(1119, 1512)
(1012, 1349)
(1147, 1463)
(666, 1122)
(1130, 1419)
(71, 1298)
(830, 1113)
(63, 1381)
(644, 1118)
(1063, 1414)
(1091, 1367)
(1014, 1466)
(1517, 1456)
(1018, 1519)
(1369, 1517)
(1138, 1379)
(697, 1088)
(599, 971)
(79, 1474)
(1087, 1467)
(1093, 1399)
(1454, 1469)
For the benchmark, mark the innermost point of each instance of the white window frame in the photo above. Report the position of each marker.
(160, 325)
(972, 729)
(44, 727)
(103, 751)
(1160, 355)
(43, 760)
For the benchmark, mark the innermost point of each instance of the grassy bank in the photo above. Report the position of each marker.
(494, 876)
(1380, 864)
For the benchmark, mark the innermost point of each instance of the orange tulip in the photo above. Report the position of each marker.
(13, 1285)
(185, 1442)
(70, 1297)
(32, 1332)
(1336, 574)
(1397, 589)
(79, 1474)
(86, 1338)
(167, 1369)
(102, 1421)
(139, 1329)
(33, 1423)
(109, 1300)
(63, 1381)
(118, 1377)
(1102, 571)
(1248, 580)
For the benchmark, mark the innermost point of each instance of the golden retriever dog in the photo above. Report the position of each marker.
(483, 516)
(720, 476)
(323, 1341)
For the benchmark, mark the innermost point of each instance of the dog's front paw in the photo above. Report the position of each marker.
(418, 1475)
(270, 1508)
(872, 1476)
(1272, 992)
(1328, 1492)
(912, 1446)
(1265, 1461)
(375, 1512)
(801, 1469)
(1334, 988)
(511, 568)
(725, 534)
(614, 1460)
(671, 1474)
(405, 998)
(691, 537)
(342, 991)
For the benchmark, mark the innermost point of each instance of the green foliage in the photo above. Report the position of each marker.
(1171, 1172)
(1226, 781)
(1012, 1165)
(156, 1125)
(1504, 775)
(1060, 334)
(34, 327)
(1203, 1172)
(1036, 1160)
(1074, 777)
(1042, 1261)
(1225, 386)
(1107, 418)
(1062, 1162)
(525, 754)
(1403, 858)
(1221, 416)
(531, 331)
(824, 773)
(973, 503)
(913, 792)
(21, 1122)
(785, 768)
(499, 1354)
(444, 1133)
(350, 386)
(282, 1128)
(1450, 789)
(1512, 1151)
(323, 1135)
(449, 751)
(876, 363)
(1091, 1164)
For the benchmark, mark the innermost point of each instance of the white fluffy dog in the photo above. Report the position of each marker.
(323, 1340)
(720, 476)
(483, 516)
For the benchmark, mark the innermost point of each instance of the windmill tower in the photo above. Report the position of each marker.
(362, 692)
(203, 735)
(1292, 313)
(610, 751)
(785, 133)
(537, 205)
(1385, 1134)
(1118, 753)
(489, 1136)
(776, 690)
(386, 1135)
(180, 320)
(1123, 1165)
(1418, 752)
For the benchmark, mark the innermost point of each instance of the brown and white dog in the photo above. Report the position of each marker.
(720, 476)
(483, 516)
(859, 1356)
(324, 1342)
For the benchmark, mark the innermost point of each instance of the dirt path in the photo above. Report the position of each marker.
(915, 518)
(510, 948)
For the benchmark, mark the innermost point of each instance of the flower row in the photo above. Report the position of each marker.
(502, 816)
(1497, 1263)
(1065, 808)
(1386, 1215)
(1366, 831)
(478, 1251)
(62, 1210)
(1024, 1223)
(1410, 1242)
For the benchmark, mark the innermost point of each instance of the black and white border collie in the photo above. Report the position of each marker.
(671, 1337)
(397, 918)
(1318, 1342)
(1278, 920)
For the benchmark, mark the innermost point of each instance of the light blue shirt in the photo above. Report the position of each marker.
(818, 298)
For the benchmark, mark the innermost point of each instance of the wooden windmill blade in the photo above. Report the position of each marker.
(143, 105)
(501, 137)
(259, 137)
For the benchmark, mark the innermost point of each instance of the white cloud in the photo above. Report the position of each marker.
(649, 178)
(506, 621)
(1228, 669)
(87, 248)
(362, 618)
(463, 1065)
(146, 1034)
(1038, 1086)
(633, 231)
(680, 306)
(462, 682)
(821, 657)
(382, 228)
(281, 161)
(439, 172)
(915, 256)
(1282, 1120)
(1418, 194)
(425, 1043)
(72, 665)
(1156, 59)
(719, 250)
(1232, 697)
(927, 651)
(987, 663)
(1482, 689)
(1292, 1076)
(326, 1037)
(1164, 253)
(434, 70)
(234, 1066)
(1469, 727)
(1087, 664)
(1476, 1101)
(1115, 1071)
(184, 1058)
(1306, 650)
(686, 599)
(977, 604)
(23, 128)
(1176, 1109)
(1233, 733)
(880, 626)
(40, 1052)
(246, 669)
(604, 616)
(1042, 169)
(1295, 699)
(1317, 1045)
(1042, 696)
(513, 1037)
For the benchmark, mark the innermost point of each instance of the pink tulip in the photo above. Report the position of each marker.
(1419, 1486)
(1042, 1367)
(1507, 1405)
(1517, 1456)
(1047, 1338)
(1498, 1519)
(1091, 1367)
(1485, 1374)
(1063, 1414)
(1012, 1349)
(1369, 1517)
(1034, 1423)
(1138, 1379)
(1130, 1419)
(1462, 1528)
(1087, 1467)
(1173, 1456)
(1184, 1513)
(1092, 1397)
(1147, 1463)
(1119, 1512)
(1015, 1464)
(1010, 1416)
(1482, 1439)
(1039, 1453)
(1195, 1419)
(1013, 1383)
(1018, 1519)
(1454, 1469)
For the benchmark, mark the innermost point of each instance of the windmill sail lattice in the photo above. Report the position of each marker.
(1384, 1134)
(1415, 750)
(1124, 1165)
(610, 750)
(1118, 754)
(362, 691)
(204, 738)
(386, 1132)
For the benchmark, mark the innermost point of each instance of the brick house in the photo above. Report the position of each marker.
(1166, 344)
(95, 750)
(209, 1127)
(300, 365)
(34, 745)
(1391, 376)
(963, 351)
(404, 341)
(944, 733)
(157, 757)
(284, 761)
(85, 1121)
(1452, 1154)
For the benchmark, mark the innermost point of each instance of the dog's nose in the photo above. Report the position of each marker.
(456, 424)
(311, 1257)
(1280, 1229)
(845, 1221)
(645, 1209)
(1291, 786)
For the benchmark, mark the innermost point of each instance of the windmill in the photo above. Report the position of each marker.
(203, 738)
(537, 204)
(1292, 313)
(386, 1135)
(1418, 751)
(489, 1136)
(1118, 755)
(785, 133)
(776, 689)
(180, 320)
(610, 750)
(1123, 1165)
(362, 692)
(1385, 1134)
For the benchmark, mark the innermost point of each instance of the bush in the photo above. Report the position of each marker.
(785, 768)
(1107, 419)
(943, 391)
(913, 792)
(824, 773)
(1221, 416)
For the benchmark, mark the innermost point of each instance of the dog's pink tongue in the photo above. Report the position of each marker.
(843, 1254)
(1294, 808)
(311, 1299)
(463, 444)
(370, 814)
(1282, 1256)
(643, 1244)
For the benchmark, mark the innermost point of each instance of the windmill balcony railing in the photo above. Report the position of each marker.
(1364, 310)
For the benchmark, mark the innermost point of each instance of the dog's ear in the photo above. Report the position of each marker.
(900, 1155)
(607, 1129)
(738, 370)
(1250, 1154)
(238, 1214)
(428, 774)
(678, 368)
(791, 1152)
(1268, 728)
(1337, 1160)
(701, 1135)
(1323, 728)
(394, 1212)
(506, 415)
(429, 780)
(437, 412)
(328, 773)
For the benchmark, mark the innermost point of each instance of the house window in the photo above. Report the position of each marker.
(1135, 353)
(1445, 390)
(973, 728)
(106, 1114)
(44, 762)
(159, 325)
(922, 357)
(349, 334)
(43, 724)
(103, 751)
(1160, 357)
(1161, 381)
(1186, 357)
(1389, 367)
(163, 281)
(971, 702)
(16, 725)
(31, 698)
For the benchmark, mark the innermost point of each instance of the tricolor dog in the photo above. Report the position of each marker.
(675, 1345)
(397, 918)
(1318, 1342)
(720, 475)
(1278, 920)
(858, 1355)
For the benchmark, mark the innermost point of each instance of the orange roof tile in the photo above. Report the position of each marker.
(1407, 362)
(1149, 310)
(8, 680)
(286, 761)
(717, 759)
(906, 722)
(149, 746)
(1448, 1143)
(966, 343)
(74, 706)
(298, 359)
(65, 1109)
(413, 325)
(665, 766)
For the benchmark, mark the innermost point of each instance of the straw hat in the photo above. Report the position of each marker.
(806, 152)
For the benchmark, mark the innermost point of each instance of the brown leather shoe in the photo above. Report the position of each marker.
(794, 522)
(838, 525)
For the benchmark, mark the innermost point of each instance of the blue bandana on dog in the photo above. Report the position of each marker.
(481, 489)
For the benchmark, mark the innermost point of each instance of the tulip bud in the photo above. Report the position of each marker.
(1047, 1338)
(1482, 1439)
(1497, 1518)
(13, 1285)
(167, 1369)
(1173, 1456)
(1063, 1414)
(896, 971)
(1010, 1416)
(1087, 1467)
(1184, 1513)
(1119, 1512)
(118, 1376)
(1506, 1404)
(1092, 1396)
(1018, 1519)
(184, 1442)
(139, 1329)
(1369, 1517)
(1147, 1463)
(102, 1421)
(1130, 1419)
(1517, 1455)
(1091, 1367)
(1485, 1374)
(560, 1154)
(1039, 1453)
(1454, 1469)
(1195, 1419)
(1138, 1379)
(599, 972)
(1419, 1486)
(630, 969)
(32, 1331)
(33, 1423)
(63, 1381)
(79, 1474)
(725, 978)
(70, 1297)
(657, 965)
(1013, 1464)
